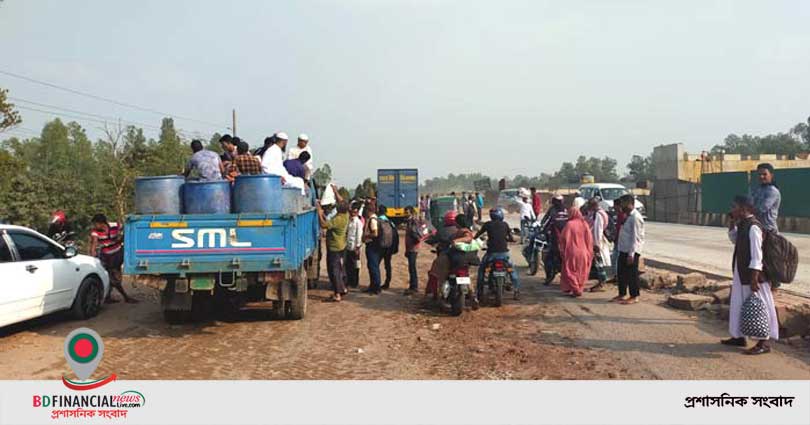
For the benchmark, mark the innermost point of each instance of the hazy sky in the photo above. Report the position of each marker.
(500, 87)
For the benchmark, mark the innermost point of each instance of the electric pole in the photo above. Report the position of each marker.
(233, 116)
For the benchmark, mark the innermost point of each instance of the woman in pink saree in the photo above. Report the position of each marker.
(576, 246)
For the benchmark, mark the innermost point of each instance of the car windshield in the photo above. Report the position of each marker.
(613, 193)
(587, 192)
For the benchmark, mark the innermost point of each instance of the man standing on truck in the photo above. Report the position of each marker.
(206, 163)
(336, 247)
(245, 162)
(296, 151)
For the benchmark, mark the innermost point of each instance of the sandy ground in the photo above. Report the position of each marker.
(542, 336)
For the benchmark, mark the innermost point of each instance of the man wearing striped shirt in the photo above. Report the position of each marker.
(106, 243)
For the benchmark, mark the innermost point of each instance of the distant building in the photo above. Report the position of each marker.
(672, 162)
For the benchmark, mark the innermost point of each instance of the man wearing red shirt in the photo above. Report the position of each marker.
(537, 203)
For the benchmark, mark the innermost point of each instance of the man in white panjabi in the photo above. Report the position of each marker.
(746, 232)
(273, 163)
(303, 146)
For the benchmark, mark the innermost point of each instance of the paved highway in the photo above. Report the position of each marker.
(707, 249)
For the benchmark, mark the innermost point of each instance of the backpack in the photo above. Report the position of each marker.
(610, 229)
(419, 230)
(780, 258)
(385, 235)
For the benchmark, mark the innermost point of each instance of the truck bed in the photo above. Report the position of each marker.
(206, 243)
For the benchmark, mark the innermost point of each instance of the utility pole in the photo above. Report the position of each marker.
(234, 122)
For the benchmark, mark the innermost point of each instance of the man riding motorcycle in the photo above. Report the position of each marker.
(58, 228)
(443, 240)
(555, 219)
(498, 237)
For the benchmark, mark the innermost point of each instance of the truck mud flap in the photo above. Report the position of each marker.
(278, 291)
(175, 301)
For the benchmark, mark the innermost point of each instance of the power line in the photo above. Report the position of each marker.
(105, 99)
(179, 132)
(17, 99)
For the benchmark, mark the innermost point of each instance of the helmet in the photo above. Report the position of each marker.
(58, 217)
(496, 214)
(450, 218)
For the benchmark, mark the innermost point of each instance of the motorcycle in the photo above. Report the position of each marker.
(497, 279)
(535, 251)
(64, 238)
(455, 293)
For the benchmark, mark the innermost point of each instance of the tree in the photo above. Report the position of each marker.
(9, 117)
(641, 167)
(795, 141)
(344, 193)
(366, 189)
(168, 153)
(213, 143)
(323, 175)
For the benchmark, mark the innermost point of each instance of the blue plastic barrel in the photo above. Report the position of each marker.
(292, 199)
(207, 197)
(259, 193)
(159, 195)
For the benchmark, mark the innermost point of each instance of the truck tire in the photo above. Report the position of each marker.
(88, 299)
(297, 307)
(176, 317)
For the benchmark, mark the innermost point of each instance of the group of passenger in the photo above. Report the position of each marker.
(353, 225)
(294, 165)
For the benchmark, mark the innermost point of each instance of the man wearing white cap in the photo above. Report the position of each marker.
(273, 162)
(303, 146)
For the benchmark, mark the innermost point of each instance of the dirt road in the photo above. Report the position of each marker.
(542, 336)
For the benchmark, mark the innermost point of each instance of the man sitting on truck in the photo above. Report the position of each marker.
(206, 163)
(245, 162)
(273, 163)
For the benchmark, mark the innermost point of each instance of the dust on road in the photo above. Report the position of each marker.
(542, 336)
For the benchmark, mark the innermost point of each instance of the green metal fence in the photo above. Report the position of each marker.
(718, 190)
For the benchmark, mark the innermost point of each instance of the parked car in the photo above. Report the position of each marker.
(41, 277)
(508, 200)
(608, 192)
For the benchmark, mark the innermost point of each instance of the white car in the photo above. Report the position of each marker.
(608, 192)
(38, 276)
(508, 200)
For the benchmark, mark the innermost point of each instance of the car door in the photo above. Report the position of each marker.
(18, 294)
(46, 266)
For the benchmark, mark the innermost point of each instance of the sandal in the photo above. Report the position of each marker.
(632, 300)
(757, 350)
(597, 288)
(616, 299)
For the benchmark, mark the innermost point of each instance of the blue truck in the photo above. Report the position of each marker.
(205, 261)
(396, 189)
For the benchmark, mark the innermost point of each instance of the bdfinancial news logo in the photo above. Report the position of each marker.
(84, 350)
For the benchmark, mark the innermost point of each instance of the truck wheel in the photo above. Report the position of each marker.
(297, 307)
(176, 317)
(88, 299)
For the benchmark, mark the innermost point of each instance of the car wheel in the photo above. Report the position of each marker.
(88, 299)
